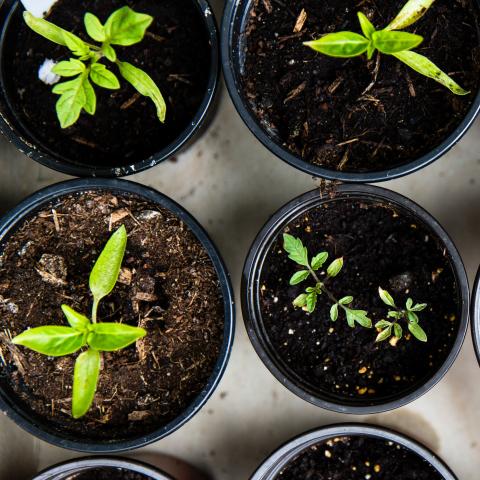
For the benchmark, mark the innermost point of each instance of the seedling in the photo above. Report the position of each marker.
(409, 314)
(389, 41)
(124, 27)
(308, 300)
(84, 333)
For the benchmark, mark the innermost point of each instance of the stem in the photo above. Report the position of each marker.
(325, 289)
(94, 310)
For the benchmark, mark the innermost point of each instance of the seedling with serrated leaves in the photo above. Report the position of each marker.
(86, 334)
(308, 300)
(387, 328)
(124, 27)
(389, 41)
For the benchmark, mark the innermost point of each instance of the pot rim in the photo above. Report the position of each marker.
(39, 153)
(283, 455)
(229, 55)
(32, 423)
(475, 316)
(252, 312)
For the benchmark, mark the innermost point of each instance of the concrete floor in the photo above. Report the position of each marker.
(232, 185)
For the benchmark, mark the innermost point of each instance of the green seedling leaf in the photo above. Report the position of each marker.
(76, 320)
(393, 42)
(94, 27)
(417, 331)
(398, 331)
(105, 272)
(71, 102)
(311, 301)
(299, 277)
(335, 267)
(300, 301)
(340, 44)
(127, 27)
(367, 26)
(386, 297)
(295, 249)
(395, 314)
(110, 53)
(90, 97)
(319, 260)
(75, 44)
(45, 29)
(412, 317)
(384, 335)
(410, 13)
(426, 67)
(358, 316)
(334, 312)
(383, 324)
(345, 300)
(418, 307)
(409, 303)
(69, 68)
(144, 85)
(103, 77)
(108, 337)
(54, 341)
(85, 379)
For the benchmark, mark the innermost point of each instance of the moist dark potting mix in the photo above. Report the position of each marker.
(357, 457)
(125, 127)
(381, 246)
(167, 285)
(352, 114)
(109, 473)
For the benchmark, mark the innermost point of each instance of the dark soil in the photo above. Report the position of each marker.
(168, 286)
(352, 458)
(108, 474)
(352, 114)
(381, 246)
(125, 128)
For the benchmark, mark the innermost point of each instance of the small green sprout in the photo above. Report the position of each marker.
(386, 328)
(308, 300)
(93, 337)
(124, 27)
(389, 41)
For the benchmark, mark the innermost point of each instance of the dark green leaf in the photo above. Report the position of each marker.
(334, 312)
(367, 27)
(393, 42)
(44, 28)
(76, 320)
(412, 317)
(299, 277)
(340, 44)
(126, 27)
(104, 77)
(94, 27)
(335, 267)
(386, 297)
(295, 249)
(85, 378)
(319, 260)
(108, 337)
(417, 331)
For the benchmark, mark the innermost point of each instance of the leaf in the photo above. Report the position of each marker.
(311, 301)
(76, 320)
(397, 328)
(71, 102)
(69, 68)
(94, 27)
(412, 317)
(418, 307)
(367, 26)
(370, 50)
(90, 97)
(44, 28)
(426, 67)
(299, 277)
(104, 77)
(319, 260)
(144, 85)
(109, 52)
(409, 303)
(334, 312)
(383, 324)
(386, 297)
(300, 301)
(335, 267)
(105, 272)
(393, 42)
(54, 341)
(340, 44)
(85, 378)
(109, 337)
(384, 334)
(417, 331)
(345, 300)
(410, 13)
(359, 316)
(127, 27)
(395, 314)
(295, 249)
(75, 44)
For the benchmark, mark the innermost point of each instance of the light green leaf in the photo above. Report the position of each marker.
(54, 341)
(109, 52)
(334, 312)
(69, 68)
(105, 272)
(426, 67)
(386, 297)
(397, 328)
(104, 77)
(340, 44)
(418, 307)
(94, 27)
(126, 27)
(367, 26)
(76, 320)
(109, 337)
(417, 331)
(311, 301)
(370, 50)
(300, 301)
(393, 42)
(412, 317)
(345, 300)
(319, 260)
(383, 324)
(335, 267)
(384, 335)
(359, 316)
(71, 101)
(409, 303)
(90, 97)
(44, 28)
(395, 314)
(412, 11)
(299, 277)
(85, 379)
(295, 249)
(75, 44)
(144, 85)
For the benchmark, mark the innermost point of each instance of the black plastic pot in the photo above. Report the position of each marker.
(276, 462)
(235, 18)
(250, 293)
(25, 141)
(64, 471)
(38, 426)
(475, 315)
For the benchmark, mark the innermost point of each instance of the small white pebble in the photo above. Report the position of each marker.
(275, 299)
(45, 73)
(328, 454)
(290, 331)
